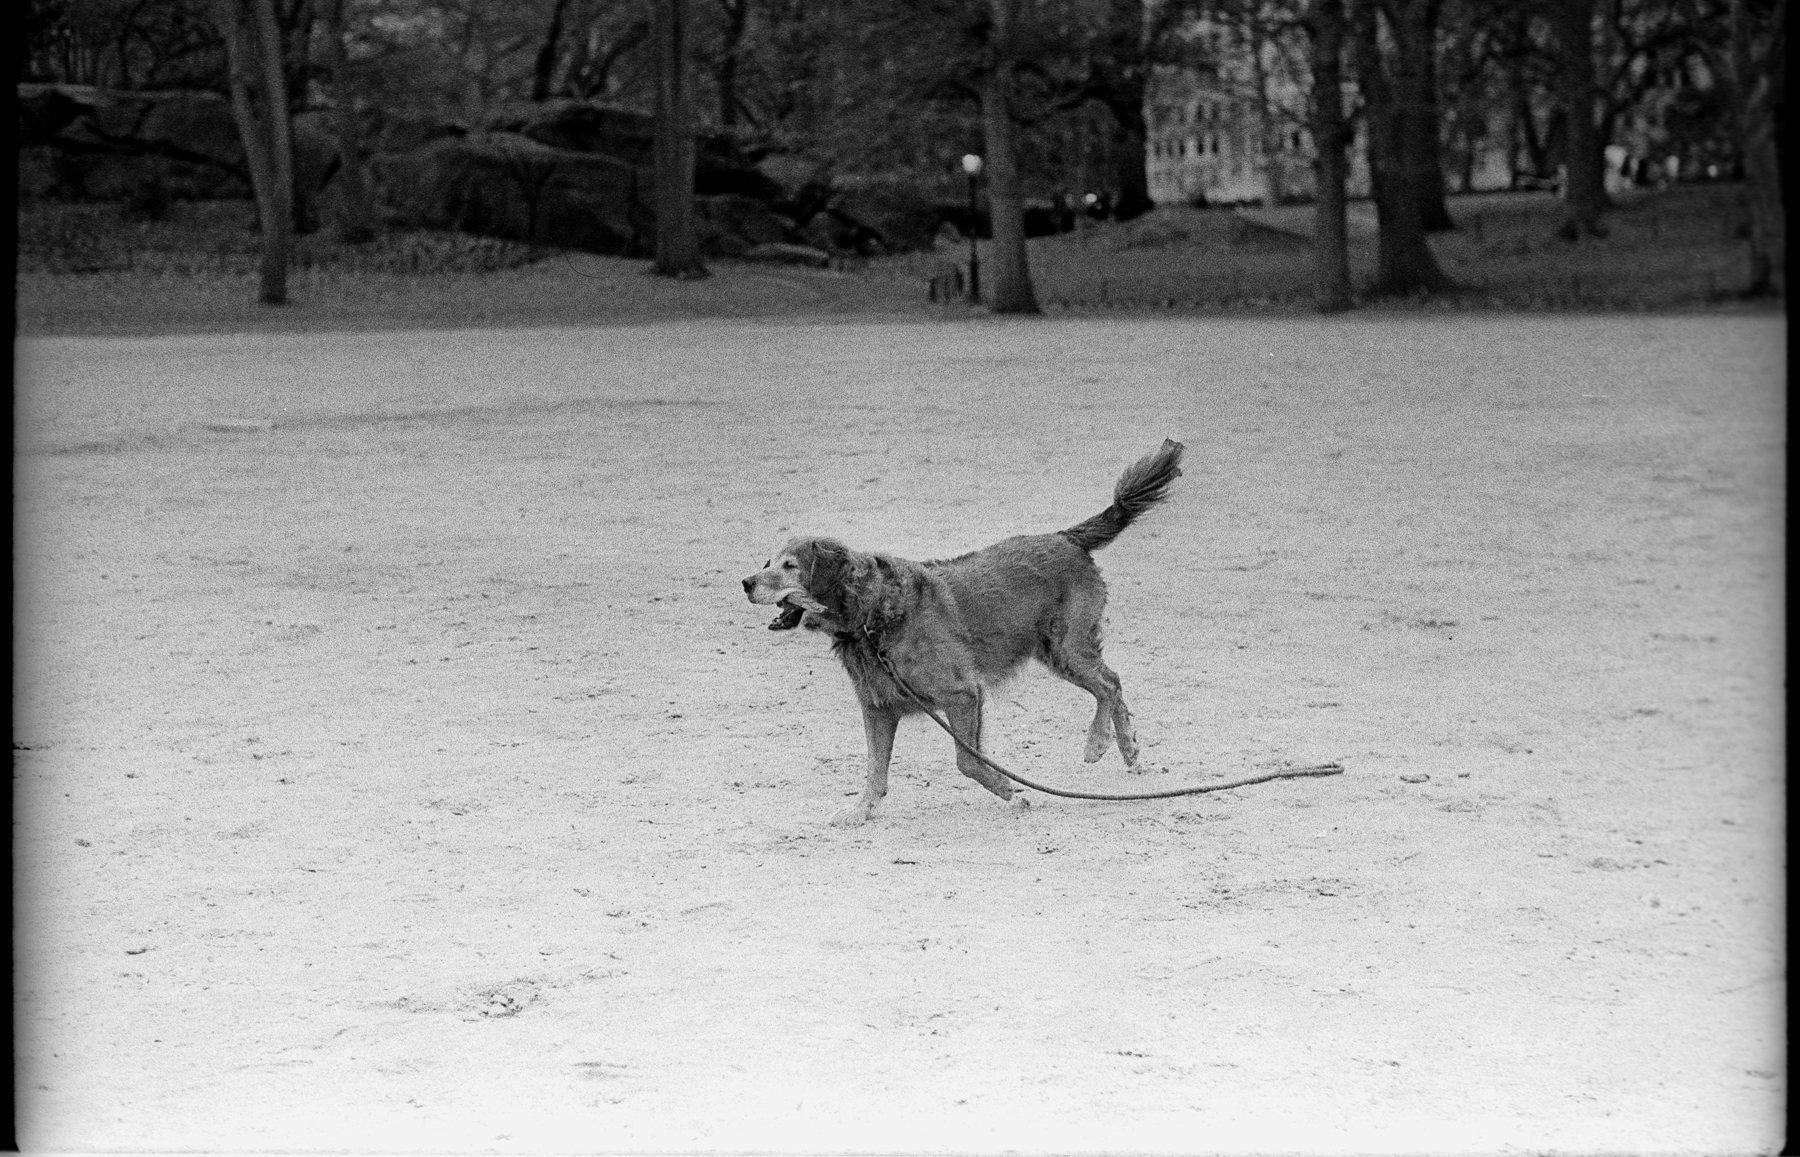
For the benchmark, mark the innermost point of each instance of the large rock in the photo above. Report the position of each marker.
(827, 233)
(316, 162)
(581, 126)
(723, 164)
(111, 146)
(732, 224)
(565, 173)
(780, 254)
(402, 131)
(197, 125)
(887, 217)
(802, 184)
(508, 185)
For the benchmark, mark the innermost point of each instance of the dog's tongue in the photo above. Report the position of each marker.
(788, 619)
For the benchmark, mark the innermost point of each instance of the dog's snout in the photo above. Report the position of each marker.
(750, 586)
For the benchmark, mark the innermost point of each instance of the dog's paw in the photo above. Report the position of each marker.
(855, 815)
(1098, 740)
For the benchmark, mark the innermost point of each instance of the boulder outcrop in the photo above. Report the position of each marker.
(564, 173)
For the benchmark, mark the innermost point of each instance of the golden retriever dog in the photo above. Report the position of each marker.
(953, 627)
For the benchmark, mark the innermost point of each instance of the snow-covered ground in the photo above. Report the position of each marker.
(397, 764)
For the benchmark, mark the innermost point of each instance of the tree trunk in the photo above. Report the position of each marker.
(1757, 62)
(357, 221)
(1121, 89)
(1268, 140)
(1584, 161)
(281, 139)
(1009, 272)
(1331, 251)
(737, 17)
(1525, 132)
(1129, 138)
(1426, 127)
(677, 245)
(259, 105)
(1404, 261)
(727, 80)
(1514, 129)
(543, 70)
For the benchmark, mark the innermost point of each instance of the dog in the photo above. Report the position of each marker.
(951, 628)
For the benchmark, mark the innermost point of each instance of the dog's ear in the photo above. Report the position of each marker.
(823, 565)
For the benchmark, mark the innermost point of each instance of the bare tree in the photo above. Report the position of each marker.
(730, 59)
(1011, 290)
(1117, 75)
(677, 243)
(1331, 256)
(591, 69)
(543, 70)
(259, 105)
(357, 220)
(1758, 67)
(1584, 162)
(1391, 80)
(1517, 53)
(1268, 133)
(1426, 156)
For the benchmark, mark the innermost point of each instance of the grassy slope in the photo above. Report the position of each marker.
(1672, 249)
(84, 270)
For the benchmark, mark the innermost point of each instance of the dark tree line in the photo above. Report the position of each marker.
(1052, 93)
(1593, 60)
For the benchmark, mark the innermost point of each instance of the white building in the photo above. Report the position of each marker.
(1209, 144)
(1237, 132)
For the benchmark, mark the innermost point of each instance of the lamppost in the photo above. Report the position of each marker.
(972, 166)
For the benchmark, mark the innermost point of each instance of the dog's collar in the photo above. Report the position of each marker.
(862, 634)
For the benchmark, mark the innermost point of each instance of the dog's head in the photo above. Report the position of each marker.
(805, 576)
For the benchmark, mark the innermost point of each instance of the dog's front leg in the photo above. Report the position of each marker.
(963, 713)
(879, 723)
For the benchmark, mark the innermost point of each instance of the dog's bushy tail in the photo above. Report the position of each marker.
(1145, 483)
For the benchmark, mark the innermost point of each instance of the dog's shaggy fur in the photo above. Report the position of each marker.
(954, 626)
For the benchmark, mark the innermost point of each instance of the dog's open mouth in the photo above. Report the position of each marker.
(789, 618)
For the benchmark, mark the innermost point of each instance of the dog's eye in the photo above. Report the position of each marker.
(787, 564)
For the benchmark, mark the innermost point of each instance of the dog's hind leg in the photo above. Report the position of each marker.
(1122, 728)
(1075, 656)
(879, 723)
(964, 714)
